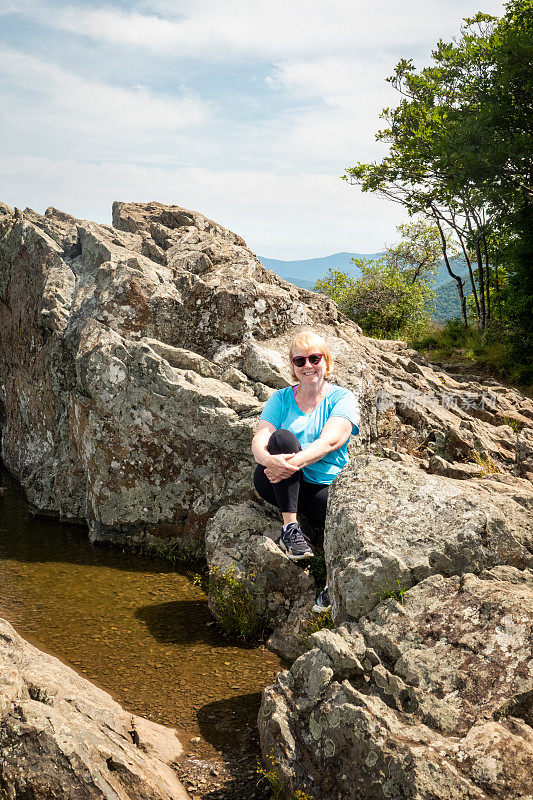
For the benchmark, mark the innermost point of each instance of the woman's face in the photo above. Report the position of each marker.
(309, 374)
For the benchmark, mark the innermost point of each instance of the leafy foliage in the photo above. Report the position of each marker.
(233, 602)
(393, 297)
(461, 154)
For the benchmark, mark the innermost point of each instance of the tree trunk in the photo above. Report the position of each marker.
(457, 278)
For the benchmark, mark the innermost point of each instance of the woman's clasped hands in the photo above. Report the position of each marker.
(279, 467)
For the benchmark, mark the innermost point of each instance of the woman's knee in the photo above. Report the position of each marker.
(283, 441)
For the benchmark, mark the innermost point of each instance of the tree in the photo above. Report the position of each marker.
(392, 298)
(461, 153)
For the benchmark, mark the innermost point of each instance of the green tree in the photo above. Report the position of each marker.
(392, 298)
(461, 154)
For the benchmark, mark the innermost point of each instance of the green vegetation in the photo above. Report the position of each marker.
(317, 567)
(490, 350)
(393, 298)
(317, 623)
(276, 786)
(485, 462)
(234, 604)
(182, 552)
(447, 303)
(461, 156)
(513, 423)
(387, 591)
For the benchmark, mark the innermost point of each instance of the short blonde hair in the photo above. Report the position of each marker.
(307, 338)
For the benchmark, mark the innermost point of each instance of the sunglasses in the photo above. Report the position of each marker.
(314, 358)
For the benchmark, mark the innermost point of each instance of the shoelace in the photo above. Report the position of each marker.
(296, 536)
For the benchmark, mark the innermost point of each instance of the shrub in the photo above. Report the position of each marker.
(233, 601)
(318, 623)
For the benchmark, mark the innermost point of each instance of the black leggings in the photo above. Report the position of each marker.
(293, 494)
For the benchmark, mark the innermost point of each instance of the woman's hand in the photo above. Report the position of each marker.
(279, 467)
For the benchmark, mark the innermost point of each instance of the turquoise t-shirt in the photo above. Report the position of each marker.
(282, 412)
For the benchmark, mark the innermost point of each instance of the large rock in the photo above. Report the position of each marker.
(431, 698)
(242, 542)
(390, 525)
(61, 737)
(134, 361)
(123, 402)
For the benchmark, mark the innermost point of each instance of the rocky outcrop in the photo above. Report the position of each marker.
(390, 525)
(60, 736)
(134, 360)
(242, 542)
(427, 698)
(123, 399)
(425, 687)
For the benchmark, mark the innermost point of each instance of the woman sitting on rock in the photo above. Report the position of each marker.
(301, 444)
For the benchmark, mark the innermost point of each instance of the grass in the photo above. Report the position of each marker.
(318, 623)
(490, 351)
(485, 463)
(234, 604)
(387, 591)
(513, 423)
(276, 787)
(182, 553)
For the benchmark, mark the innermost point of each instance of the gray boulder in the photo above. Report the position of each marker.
(427, 698)
(390, 525)
(62, 737)
(242, 542)
(134, 360)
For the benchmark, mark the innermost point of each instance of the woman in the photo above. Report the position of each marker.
(301, 444)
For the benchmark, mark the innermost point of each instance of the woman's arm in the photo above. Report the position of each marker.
(277, 466)
(335, 433)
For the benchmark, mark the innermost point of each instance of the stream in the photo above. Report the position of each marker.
(134, 625)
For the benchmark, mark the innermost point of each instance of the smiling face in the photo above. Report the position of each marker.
(309, 374)
(305, 343)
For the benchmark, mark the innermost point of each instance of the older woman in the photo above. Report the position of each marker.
(301, 443)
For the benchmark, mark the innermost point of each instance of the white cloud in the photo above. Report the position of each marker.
(70, 97)
(262, 30)
(266, 162)
(280, 215)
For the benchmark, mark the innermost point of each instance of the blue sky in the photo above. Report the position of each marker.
(246, 111)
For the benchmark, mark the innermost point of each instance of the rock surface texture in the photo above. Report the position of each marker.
(134, 362)
(241, 540)
(61, 737)
(426, 699)
(391, 525)
(135, 358)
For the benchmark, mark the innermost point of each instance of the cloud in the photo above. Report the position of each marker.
(279, 215)
(50, 106)
(246, 111)
(236, 28)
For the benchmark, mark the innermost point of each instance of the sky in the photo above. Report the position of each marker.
(246, 111)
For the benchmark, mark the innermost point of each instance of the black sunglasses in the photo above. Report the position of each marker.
(314, 358)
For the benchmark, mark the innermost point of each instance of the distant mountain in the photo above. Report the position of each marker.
(306, 272)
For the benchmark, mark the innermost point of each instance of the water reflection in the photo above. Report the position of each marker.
(134, 625)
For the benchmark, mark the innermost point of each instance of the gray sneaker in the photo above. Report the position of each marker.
(295, 542)
(323, 602)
